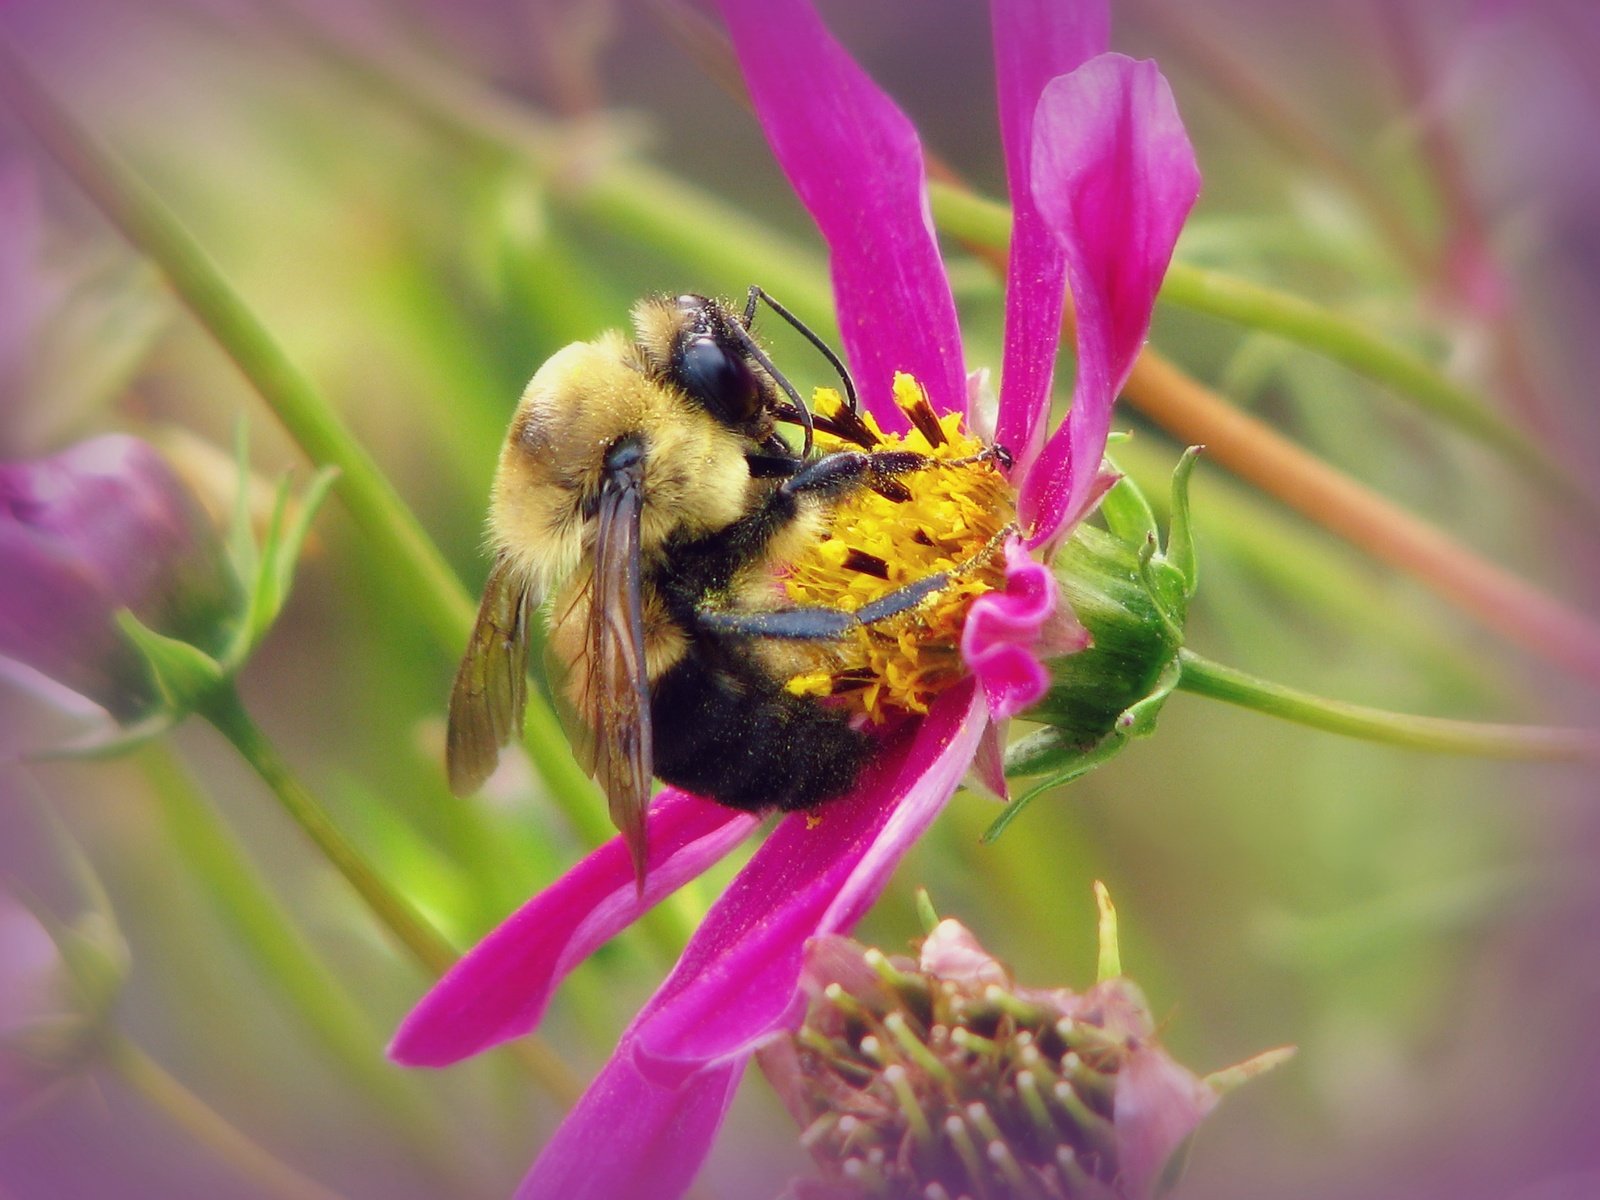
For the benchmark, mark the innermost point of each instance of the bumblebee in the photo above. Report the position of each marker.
(645, 494)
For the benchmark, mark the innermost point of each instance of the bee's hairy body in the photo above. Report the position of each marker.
(643, 487)
(551, 469)
(723, 725)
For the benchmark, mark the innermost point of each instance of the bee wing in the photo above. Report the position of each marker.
(561, 671)
(618, 684)
(490, 693)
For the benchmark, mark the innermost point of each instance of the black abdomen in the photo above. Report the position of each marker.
(737, 737)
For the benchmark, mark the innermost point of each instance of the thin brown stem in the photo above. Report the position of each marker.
(1255, 452)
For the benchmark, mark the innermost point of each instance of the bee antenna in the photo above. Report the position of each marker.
(757, 292)
(757, 353)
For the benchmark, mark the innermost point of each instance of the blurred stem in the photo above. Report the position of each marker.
(609, 189)
(424, 943)
(1469, 247)
(268, 934)
(201, 1122)
(1532, 743)
(1282, 123)
(1405, 373)
(981, 221)
(442, 602)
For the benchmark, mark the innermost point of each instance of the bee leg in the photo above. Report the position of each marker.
(818, 624)
(783, 624)
(842, 472)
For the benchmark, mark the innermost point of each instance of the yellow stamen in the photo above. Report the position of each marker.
(955, 521)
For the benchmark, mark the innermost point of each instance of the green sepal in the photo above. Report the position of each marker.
(275, 562)
(110, 741)
(1127, 514)
(1180, 536)
(266, 570)
(241, 538)
(1133, 598)
(1060, 758)
(184, 675)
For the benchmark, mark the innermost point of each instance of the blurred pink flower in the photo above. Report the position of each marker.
(1101, 178)
(1129, 1107)
(102, 526)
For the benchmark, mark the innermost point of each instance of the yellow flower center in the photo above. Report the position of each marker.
(952, 517)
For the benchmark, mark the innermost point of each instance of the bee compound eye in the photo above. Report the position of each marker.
(719, 380)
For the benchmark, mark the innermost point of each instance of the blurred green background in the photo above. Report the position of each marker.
(421, 201)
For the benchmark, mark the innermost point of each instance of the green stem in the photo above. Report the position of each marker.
(144, 220)
(268, 934)
(424, 943)
(1533, 743)
(205, 1125)
(420, 939)
(985, 222)
(1353, 345)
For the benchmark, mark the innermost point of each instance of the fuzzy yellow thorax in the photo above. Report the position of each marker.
(955, 519)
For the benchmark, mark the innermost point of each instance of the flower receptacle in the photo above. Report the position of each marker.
(1131, 591)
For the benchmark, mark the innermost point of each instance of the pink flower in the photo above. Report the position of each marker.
(1101, 177)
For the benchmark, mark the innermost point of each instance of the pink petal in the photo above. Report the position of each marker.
(1158, 1104)
(989, 761)
(1114, 176)
(856, 164)
(1034, 41)
(1007, 632)
(500, 989)
(952, 952)
(738, 979)
(628, 1139)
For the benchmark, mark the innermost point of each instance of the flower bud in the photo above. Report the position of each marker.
(943, 1077)
(56, 991)
(105, 526)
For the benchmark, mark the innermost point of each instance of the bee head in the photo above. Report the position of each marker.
(696, 344)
